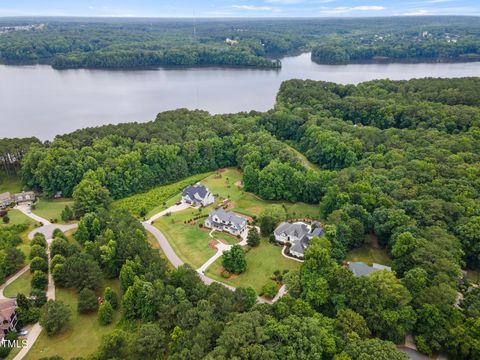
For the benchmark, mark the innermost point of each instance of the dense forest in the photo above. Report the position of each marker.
(397, 159)
(144, 43)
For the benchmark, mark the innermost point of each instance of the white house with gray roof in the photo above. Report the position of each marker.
(197, 195)
(226, 221)
(25, 197)
(298, 234)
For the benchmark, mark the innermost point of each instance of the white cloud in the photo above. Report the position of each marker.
(253, 8)
(347, 9)
(419, 12)
(285, 2)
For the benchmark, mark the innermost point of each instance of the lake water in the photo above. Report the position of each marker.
(39, 101)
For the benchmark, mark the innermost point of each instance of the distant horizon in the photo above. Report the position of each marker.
(237, 8)
(229, 17)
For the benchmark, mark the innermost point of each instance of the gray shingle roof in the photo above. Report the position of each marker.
(195, 192)
(298, 230)
(362, 269)
(228, 217)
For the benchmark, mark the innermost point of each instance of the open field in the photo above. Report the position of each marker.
(226, 184)
(262, 261)
(83, 337)
(51, 209)
(21, 285)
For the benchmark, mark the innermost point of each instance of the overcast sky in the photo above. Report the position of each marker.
(237, 8)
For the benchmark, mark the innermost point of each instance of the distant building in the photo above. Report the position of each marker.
(197, 195)
(362, 269)
(7, 199)
(226, 221)
(299, 234)
(231, 41)
(8, 316)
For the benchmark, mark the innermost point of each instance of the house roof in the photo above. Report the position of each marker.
(6, 196)
(298, 247)
(298, 229)
(229, 217)
(196, 192)
(7, 309)
(362, 269)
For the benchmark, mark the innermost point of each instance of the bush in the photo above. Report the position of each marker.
(57, 259)
(105, 313)
(270, 289)
(234, 261)
(111, 296)
(39, 280)
(6, 219)
(55, 317)
(87, 301)
(39, 240)
(37, 251)
(38, 264)
(39, 296)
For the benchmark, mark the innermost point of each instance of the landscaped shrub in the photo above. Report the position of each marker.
(39, 280)
(37, 251)
(105, 313)
(270, 289)
(55, 317)
(111, 296)
(39, 239)
(87, 301)
(38, 264)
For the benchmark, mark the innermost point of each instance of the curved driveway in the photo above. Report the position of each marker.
(47, 230)
(177, 262)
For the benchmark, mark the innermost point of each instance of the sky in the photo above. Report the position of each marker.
(237, 8)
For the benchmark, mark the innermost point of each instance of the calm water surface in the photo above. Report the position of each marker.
(39, 101)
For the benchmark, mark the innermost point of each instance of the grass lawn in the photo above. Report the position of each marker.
(11, 184)
(227, 185)
(17, 218)
(188, 241)
(51, 209)
(369, 255)
(262, 261)
(83, 337)
(21, 285)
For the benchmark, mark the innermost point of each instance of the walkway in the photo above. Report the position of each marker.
(47, 230)
(221, 248)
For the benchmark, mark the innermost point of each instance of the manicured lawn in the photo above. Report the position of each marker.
(262, 261)
(17, 218)
(10, 183)
(227, 185)
(51, 209)
(83, 337)
(188, 241)
(369, 255)
(21, 285)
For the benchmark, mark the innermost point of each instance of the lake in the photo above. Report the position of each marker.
(39, 101)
